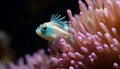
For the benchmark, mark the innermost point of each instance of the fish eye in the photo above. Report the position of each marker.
(43, 29)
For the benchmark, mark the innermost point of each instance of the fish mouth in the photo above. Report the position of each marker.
(38, 31)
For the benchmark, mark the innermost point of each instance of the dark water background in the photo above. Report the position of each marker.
(20, 18)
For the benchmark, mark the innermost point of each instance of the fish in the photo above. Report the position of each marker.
(56, 28)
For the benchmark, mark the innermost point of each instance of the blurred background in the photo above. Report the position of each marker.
(19, 20)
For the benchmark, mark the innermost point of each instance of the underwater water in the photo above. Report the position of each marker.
(92, 35)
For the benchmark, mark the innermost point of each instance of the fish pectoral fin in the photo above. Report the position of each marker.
(65, 35)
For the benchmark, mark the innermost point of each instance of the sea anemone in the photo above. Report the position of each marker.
(95, 41)
(38, 60)
(96, 37)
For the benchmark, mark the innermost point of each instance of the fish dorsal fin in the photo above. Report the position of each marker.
(58, 20)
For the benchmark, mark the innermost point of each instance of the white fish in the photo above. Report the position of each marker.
(56, 28)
